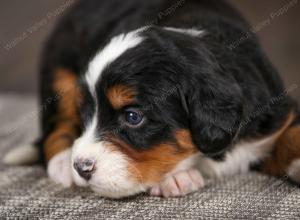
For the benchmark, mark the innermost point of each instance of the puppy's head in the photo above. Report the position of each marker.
(136, 113)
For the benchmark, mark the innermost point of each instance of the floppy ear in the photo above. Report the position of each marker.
(215, 112)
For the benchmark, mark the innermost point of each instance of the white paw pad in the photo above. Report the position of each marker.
(179, 184)
(59, 169)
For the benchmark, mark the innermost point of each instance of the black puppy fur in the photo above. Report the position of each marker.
(222, 85)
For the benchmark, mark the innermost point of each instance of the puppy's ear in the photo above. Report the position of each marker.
(214, 113)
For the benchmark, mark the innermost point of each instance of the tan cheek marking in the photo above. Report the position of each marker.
(120, 96)
(67, 117)
(151, 165)
(184, 139)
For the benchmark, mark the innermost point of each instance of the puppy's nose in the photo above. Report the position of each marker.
(85, 168)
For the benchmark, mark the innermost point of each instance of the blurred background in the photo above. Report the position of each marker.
(25, 25)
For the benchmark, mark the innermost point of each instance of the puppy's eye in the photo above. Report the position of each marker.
(133, 117)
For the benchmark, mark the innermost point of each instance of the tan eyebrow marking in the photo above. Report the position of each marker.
(120, 96)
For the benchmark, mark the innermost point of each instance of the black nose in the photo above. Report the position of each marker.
(85, 168)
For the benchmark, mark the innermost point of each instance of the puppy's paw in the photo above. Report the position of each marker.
(59, 168)
(179, 184)
(294, 171)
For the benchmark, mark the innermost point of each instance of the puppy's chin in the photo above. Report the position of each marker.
(114, 183)
(118, 192)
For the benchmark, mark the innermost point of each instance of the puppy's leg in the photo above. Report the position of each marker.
(66, 128)
(285, 158)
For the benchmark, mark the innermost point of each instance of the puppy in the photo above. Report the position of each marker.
(156, 95)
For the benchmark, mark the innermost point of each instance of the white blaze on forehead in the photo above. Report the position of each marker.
(115, 48)
(189, 31)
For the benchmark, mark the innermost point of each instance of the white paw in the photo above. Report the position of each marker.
(24, 154)
(294, 171)
(59, 169)
(179, 184)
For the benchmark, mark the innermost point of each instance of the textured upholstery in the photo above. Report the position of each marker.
(27, 193)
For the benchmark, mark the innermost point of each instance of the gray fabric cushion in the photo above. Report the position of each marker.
(27, 193)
